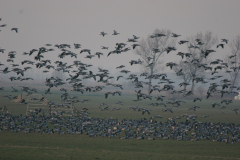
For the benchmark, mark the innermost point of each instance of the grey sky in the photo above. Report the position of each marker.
(75, 21)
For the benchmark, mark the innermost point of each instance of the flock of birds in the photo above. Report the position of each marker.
(124, 129)
(80, 122)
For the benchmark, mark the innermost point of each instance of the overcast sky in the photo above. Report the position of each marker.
(74, 21)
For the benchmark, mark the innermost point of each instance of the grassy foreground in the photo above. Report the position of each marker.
(36, 146)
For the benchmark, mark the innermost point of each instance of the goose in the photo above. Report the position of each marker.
(48, 67)
(3, 25)
(159, 98)
(23, 101)
(103, 47)
(159, 35)
(23, 79)
(168, 87)
(47, 91)
(120, 45)
(135, 45)
(131, 40)
(165, 105)
(149, 58)
(119, 102)
(115, 109)
(2, 50)
(15, 29)
(224, 40)
(86, 50)
(181, 54)
(233, 62)
(152, 36)
(169, 49)
(214, 104)
(51, 49)
(125, 49)
(14, 65)
(224, 64)
(115, 51)
(76, 45)
(200, 43)
(171, 64)
(103, 34)
(14, 90)
(8, 96)
(89, 56)
(106, 94)
(118, 92)
(104, 104)
(115, 32)
(194, 47)
(99, 54)
(12, 78)
(146, 110)
(118, 77)
(220, 45)
(235, 110)
(188, 94)
(124, 71)
(63, 89)
(32, 51)
(150, 65)
(135, 37)
(194, 108)
(25, 61)
(168, 109)
(118, 85)
(214, 72)
(133, 62)
(175, 35)
(5, 71)
(234, 68)
(195, 99)
(182, 42)
(121, 66)
(188, 54)
(183, 84)
(155, 50)
(155, 89)
(226, 101)
(230, 57)
(222, 107)
(214, 62)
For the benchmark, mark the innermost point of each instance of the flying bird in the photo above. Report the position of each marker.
(115, 32)
(103, 34)
(220, 45)
(15, 29)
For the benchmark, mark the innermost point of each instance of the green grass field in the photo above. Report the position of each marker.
(36, 146)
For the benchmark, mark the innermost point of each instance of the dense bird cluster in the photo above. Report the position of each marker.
(78, 71)
(124, 129)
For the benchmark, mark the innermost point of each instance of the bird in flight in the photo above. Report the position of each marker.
(115, 32)
(15, 29)
(103, 34)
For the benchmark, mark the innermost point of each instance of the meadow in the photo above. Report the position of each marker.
(55, 146)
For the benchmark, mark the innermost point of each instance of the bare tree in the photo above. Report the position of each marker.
(59, 74)
(195, 64)
(200, 90)
(233, 61)
(185, 73)
(151, 49)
